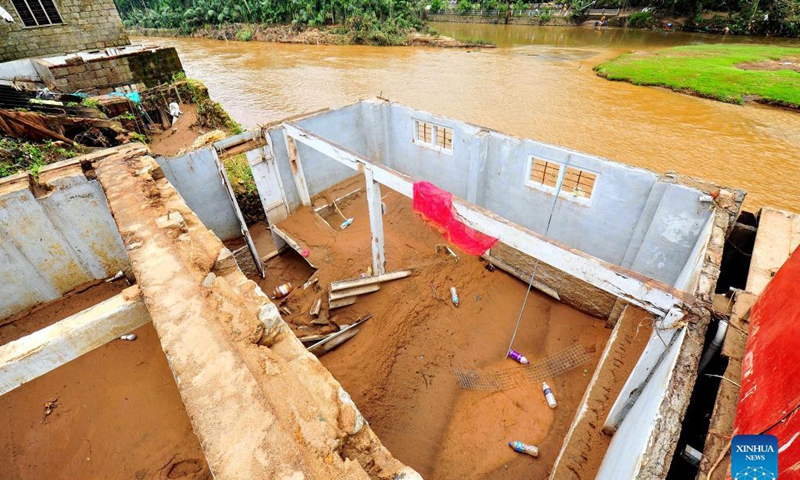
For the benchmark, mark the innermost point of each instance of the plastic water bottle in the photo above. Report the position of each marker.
(346, 223)
(548, 395)
(515, 355)
(282, 290)
(524, 448)
(454, 296)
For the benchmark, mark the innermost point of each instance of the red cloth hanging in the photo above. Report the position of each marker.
(436, 205)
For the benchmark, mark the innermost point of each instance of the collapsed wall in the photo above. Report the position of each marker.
(57, 235)
(261, 405)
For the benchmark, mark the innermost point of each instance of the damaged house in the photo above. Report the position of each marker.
(431, 245)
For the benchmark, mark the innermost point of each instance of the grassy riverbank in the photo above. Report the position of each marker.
(729, 73)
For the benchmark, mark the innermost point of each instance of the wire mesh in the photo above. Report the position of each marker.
(495, 379)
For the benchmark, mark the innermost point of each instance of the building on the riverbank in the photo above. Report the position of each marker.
(624, 263)
(54, 27)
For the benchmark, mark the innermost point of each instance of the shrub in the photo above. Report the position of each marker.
(640, 20)
(244, 35)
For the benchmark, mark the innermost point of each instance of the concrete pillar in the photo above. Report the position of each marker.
(47, 349)
(375, 223)
(476, 181)
(297, 170)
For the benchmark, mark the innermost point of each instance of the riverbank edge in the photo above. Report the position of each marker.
(289, 35)
(686, 90)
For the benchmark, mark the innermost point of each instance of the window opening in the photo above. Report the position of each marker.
(35, 13)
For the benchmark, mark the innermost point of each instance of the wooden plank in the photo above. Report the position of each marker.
(47, 349)
(353, 292)
(345, 302)
(633, 287)
(358, 282)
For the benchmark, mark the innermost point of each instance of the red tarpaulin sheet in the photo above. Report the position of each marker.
(436, 205)
(770, 394)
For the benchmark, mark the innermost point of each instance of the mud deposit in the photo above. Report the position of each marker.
(117, 415)
(399, 368)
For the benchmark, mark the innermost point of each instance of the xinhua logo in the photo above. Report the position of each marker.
(754, 457)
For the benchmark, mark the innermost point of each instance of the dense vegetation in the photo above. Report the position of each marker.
(774, 17)
(730, 73)
(20, 155)
(374, 21)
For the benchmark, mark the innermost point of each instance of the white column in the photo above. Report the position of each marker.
(375, 223)
(297, 170)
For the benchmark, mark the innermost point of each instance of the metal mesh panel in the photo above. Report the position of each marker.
(494, 379)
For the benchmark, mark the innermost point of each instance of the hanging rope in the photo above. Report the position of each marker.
(536, 265)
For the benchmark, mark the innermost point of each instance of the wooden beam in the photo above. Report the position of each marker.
(633, 287)
(360, 282)
(297, 169)
(47, 349)
(353, 292)
(375, 223)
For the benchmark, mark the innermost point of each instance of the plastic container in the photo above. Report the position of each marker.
(520, 447)
(515, 355)
(282, 290)
(454, 296)
(548, 395)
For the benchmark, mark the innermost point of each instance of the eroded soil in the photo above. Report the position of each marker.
(399, 368)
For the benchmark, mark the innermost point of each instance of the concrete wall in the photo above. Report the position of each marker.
(635, 219)
(628, 449)
(19, 70)
(55, 242)
(196, 177)
(87, 24)
(150, 67)
(345, 126)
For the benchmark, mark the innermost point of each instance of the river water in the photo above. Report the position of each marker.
(537, 84)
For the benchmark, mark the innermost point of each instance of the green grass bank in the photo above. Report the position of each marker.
(729, 73)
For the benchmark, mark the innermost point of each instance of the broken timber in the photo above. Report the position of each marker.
(633, 287)
(360, 282)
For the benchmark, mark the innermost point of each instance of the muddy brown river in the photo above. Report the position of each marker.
(538, 84)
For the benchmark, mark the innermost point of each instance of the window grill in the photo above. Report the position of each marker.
(432, 135)
(36, 13)
(444, 137)
(545, 173)
(425, 132)
(579, 183)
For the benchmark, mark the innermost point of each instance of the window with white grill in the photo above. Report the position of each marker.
(578, 184)
(434, 136)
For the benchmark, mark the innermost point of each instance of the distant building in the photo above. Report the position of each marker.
(53, 27)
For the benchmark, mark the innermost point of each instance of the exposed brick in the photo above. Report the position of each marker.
(88, 24)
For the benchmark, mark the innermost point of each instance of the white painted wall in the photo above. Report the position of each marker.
(22, 69)
(53, 244)
(636, 219)
(196, 177)
(628, 449)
